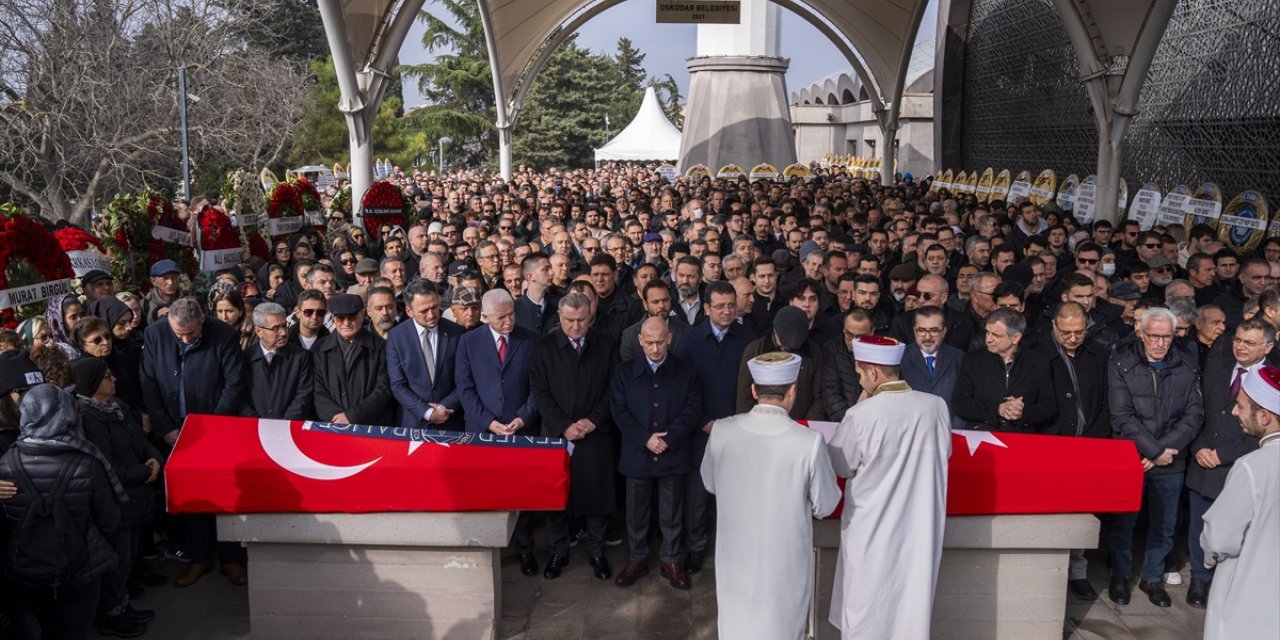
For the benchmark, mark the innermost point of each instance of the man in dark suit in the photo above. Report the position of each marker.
(351, 385)
(931, 364)
(657, 304)
(277, 372)
(536, 309)
(715, 347)
(657, 403)
(420, 362)
(193, 364)
(1222, 441)
(1004, 387)
(935, 292)
(569, 378)
(840, 383)
(493, 366)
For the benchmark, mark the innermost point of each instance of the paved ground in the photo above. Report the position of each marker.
(576, 606)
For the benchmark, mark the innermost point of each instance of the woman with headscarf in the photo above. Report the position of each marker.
(49, 439)
(109, 425)
(358, 241)
(344, 268)
(287, 293)
(62, 313)
(125, 356)
(35, 332)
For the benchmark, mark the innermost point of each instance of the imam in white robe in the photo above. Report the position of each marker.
(1242, 537)
(894, 448)
(771, 477)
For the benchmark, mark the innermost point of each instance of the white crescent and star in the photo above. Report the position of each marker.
(277, 441)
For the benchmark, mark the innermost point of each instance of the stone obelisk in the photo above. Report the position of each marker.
(737, 111)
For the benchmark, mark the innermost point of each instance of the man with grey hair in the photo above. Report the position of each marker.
(1154, 392)
(1005, 387)
(193, 364)
(277, 372)
(493, 365)
(569, 379)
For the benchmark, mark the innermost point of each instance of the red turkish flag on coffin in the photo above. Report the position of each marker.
(1000, 473)
(248, 465)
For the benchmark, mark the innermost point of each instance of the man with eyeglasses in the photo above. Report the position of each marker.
(490, 266)
(930, 364)
(278, 373)
(1155, 401)
(1004, 387)
(1222, 441)
(1078, 374)
(933, 291)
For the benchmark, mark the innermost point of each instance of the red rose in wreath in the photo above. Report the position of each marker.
(384, 203)
(286, 201)
(216, 231)
(77, 239)
(26, 240)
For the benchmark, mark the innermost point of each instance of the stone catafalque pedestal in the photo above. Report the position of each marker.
(373, 576)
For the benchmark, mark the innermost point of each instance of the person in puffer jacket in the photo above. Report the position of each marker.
(1154, 391)
(49, 434)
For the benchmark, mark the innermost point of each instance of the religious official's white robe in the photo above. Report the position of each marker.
(894, 448)
(771, 477)
(1242, 536)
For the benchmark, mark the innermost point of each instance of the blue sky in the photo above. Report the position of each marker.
(666, 46)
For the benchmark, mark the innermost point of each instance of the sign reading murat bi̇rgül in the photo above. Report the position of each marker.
(708, 12)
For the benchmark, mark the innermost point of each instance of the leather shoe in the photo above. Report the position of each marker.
(528, 564)
(192, 574)
(632, 572)
(236, 573)
(600, 568)
(1198, 593)
(675, 576)
(1156, 593)
(141, 616)
(555, 565)
(1082, 590)
(1119, 590)
(693, 562)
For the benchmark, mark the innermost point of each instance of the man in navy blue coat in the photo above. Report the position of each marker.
(657, 404)
(427, 400)
(930, 364)
(715, 347)
(493, 367)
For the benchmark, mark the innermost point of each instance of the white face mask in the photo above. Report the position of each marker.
(697, 213)
(1107, 269)
(899, 295)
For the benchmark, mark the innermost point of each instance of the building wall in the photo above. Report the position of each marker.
(852, 129)
(1209, 111)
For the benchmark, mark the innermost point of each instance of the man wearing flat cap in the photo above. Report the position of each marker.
(791, 335)
(771, 478)
(350, 380)
(893, 446)
(97, 284)
(166, 288)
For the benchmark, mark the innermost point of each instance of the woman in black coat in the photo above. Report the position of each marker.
(50, 438)
(126, 348)
(109, 425)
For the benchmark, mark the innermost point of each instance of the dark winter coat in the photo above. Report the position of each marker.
(1091, 375)
(644, 403)
(985, 382)
(210, 372)
(1221, 433)
(281, 390)
(567, 387)
(1158, 410)
(125, 445)
(363, 391)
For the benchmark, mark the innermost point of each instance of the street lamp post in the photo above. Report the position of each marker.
(442, 142)
(182, 116)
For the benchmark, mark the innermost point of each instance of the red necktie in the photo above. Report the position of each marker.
(1235, 384)
(502, 349)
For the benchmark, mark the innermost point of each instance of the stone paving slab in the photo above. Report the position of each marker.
(579, 607)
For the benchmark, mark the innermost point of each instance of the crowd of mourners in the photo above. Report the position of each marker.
(619, 311)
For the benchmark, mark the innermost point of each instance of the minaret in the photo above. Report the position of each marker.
(737, 111)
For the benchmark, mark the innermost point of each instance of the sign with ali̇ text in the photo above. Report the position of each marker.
(706, 12)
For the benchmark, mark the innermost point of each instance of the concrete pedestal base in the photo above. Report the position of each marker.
(737, 113)
(1001, 576)
(383, 575)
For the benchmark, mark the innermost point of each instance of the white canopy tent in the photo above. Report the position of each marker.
(650, 136)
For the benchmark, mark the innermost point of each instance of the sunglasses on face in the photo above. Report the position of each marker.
(346, 262)
(312, 312)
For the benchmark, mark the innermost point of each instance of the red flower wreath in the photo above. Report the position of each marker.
(285, 201)
(384, 203)
(24, 238)
(216, 231)
(77, 239)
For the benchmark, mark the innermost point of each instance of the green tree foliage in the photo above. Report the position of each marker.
(321, 136)
(457, 85)
(290, 29)
(563, 118)
(668, 91)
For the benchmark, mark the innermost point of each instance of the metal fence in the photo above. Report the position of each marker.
(1210, 109)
